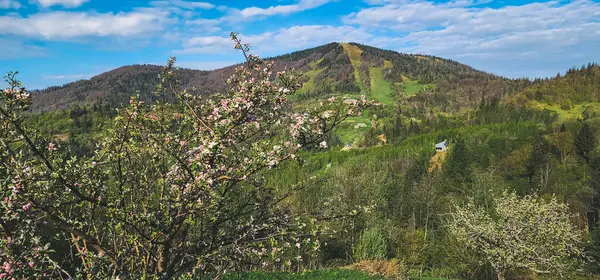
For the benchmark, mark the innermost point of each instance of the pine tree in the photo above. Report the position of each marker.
(585, 142)
(458, 165)
(539, 159)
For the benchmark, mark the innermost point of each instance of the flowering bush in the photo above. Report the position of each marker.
(172, 189)
(525, 233)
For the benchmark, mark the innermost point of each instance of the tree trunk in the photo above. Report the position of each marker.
(500, 275)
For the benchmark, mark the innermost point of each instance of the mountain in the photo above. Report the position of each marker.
(347, 68)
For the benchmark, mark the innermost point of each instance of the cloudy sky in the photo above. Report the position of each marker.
(52, 42)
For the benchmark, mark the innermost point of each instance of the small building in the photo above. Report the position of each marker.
(441, 147)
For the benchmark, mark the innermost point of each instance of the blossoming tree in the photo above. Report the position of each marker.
(172, 188)
(522, 234)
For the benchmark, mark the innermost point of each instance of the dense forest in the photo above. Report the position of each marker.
(274, 171)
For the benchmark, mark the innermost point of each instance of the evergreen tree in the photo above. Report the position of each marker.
(585, 142)
(539, 159)
(458, 165)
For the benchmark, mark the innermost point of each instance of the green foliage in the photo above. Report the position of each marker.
(577, 86)
(527, 141)
(520, 233)
(165, 192)
(372, 245)
(342, 274)
(458, 165)
(585, 141)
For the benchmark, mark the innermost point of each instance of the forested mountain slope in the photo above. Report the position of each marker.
(569, 95)
(329, 69)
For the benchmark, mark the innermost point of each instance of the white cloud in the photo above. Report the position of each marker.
(203, 22)
(189, 5)
(67, 77)
(64, 3)
(510, 35)
(283, 9)
(9, 4)
(280, 41)
(68, 25)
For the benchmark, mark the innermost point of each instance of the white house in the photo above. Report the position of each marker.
(441, 147)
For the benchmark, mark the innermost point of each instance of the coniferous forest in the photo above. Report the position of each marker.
(318, 164)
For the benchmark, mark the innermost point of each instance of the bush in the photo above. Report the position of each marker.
(338, 274)
(371, 246)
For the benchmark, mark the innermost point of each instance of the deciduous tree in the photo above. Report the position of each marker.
(173, 188)
(520, 233)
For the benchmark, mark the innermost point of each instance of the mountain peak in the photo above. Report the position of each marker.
(336, 67)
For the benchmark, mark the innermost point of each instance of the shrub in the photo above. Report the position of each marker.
(372, 245)
(522, 234)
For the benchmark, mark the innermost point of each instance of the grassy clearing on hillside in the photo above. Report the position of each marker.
(412, 87)
(354, 54)
(574, 113)
(309, 85)
(387, 64)
(380, 88)
(348, 130)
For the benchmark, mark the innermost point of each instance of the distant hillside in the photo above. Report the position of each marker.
(575, 87)
(333, 68)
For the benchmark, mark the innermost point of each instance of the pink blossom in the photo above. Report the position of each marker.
(130, 101)
(51, 147)
(9, 240)
(7, 266)
(93, 163)
(31, 264)
(99, 198)
(332, 99)
(26, 206)
(323, 145)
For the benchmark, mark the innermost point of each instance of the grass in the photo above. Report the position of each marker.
(336, 274)
(347, 131)
(380, 88)
(387, 64)
(412, 87)
(309, 85)
(354, 54)
(574, 113)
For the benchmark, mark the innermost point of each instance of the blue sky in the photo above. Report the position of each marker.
(52, 42)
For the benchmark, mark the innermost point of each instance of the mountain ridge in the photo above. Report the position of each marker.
(329, 69)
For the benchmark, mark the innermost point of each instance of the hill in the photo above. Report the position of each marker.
(334, 68)
(569, 95)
